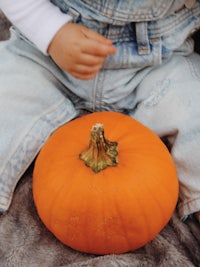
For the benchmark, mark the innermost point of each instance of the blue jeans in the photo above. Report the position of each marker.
(154, 77)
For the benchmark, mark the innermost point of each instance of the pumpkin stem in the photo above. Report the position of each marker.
(101, 152)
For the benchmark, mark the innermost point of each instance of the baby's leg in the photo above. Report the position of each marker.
(169, 103)
(31, 108)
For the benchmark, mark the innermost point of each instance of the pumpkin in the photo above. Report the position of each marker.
(111, 196)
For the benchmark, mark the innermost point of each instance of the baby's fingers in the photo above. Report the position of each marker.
(86, 70)
(84, 74)
(90, 34)
(98, 49)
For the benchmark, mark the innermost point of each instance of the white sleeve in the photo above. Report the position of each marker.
(38, 20)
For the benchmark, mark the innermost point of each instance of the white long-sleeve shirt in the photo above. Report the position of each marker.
(38, 20)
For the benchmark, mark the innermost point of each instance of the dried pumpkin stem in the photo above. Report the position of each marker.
(101, 152)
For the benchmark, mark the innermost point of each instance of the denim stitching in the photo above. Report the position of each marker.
(192, 68)
(158, 30)
(135, 16)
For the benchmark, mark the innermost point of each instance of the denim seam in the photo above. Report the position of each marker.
(102, 89)
(124, 14)
(192, 68)
(94, 92)
(168, 28)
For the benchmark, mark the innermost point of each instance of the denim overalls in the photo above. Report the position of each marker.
(154, 77)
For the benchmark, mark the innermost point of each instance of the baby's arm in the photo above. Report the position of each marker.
(73, 47)
(37, 20)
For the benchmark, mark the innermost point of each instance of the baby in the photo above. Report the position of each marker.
(66, 58)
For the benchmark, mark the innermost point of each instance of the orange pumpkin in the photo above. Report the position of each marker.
(112, 209)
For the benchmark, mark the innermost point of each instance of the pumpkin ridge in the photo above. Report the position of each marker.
(123, 226)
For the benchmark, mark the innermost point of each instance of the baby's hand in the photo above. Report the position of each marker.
(79, 50)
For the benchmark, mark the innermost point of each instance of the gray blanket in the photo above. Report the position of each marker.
(25, 242)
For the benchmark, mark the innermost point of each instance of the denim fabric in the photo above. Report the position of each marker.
(154, 77)
(140, 46)
(120, 12)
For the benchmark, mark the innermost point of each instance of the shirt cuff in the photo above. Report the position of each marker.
(38, 21)
(43, 31)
